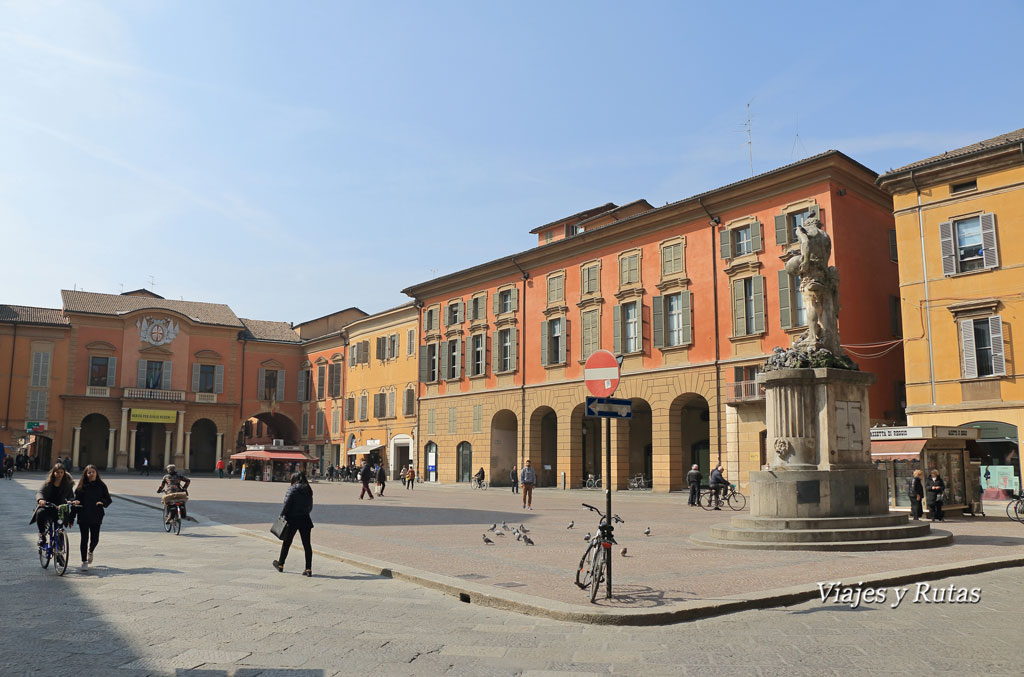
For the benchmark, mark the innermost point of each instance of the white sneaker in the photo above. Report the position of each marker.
(85, 566)
(90, 558)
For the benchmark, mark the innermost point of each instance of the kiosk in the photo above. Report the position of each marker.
(274, 463)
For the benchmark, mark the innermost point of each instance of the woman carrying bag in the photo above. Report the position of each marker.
(93, 496)
(298, 504)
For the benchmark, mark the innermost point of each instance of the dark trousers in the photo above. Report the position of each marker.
(286, 543)
(145, 470)
(409, 482)
(90, 537)
(694, 493)
(43, 519)
(366, 490)
(381, 492)
(515, 487)
(916, 510)
(935, 510)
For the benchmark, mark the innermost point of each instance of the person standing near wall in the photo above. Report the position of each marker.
(915, 491)
(693, 479)
(220, 468)
(529, 478)
(410, 477)
(936, 490)
(513, 475)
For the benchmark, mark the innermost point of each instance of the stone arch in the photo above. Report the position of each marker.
(430, 459)
(93, 441)
(689, 440)
(504, 444)
(542, 446)
(203, 446)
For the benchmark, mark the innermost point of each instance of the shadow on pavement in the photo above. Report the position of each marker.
(640, 597)
(982, 539)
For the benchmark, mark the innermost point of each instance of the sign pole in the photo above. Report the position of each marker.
(608, 498)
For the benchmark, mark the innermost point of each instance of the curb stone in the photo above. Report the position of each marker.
(531, 605)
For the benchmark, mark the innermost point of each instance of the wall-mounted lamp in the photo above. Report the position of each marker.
(842, 192)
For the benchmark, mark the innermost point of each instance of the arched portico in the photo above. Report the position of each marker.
(504, 445)
(203, 446)
(93, 442)
(689, 440)
(543, 445)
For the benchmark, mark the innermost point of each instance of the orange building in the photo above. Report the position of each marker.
(693, 296)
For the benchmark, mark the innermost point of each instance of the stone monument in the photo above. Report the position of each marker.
(821, 490)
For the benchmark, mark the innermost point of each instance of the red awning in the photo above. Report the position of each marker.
(897, 450)
(273, 456)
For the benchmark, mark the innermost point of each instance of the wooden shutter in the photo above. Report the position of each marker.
(462, 312)
(280, 385)
(218, 378)
(376, 405)
(302, 385)
(995, 328)
(410, 402)
(894, 254)
(989, 251)
(497, 303)
(111, 372)
(970, 355)
(443, 376)
(513, 352)
(658, 321)
(785, 300)
(545, 338)
(739, 310)
(379, 348)
(391, 404)
(947, 248)
(757, 283)
(44, 370)
(335, 420)
(424, 373)
(165, 378)
(781, 232)
(496, 352)
(563, 345)
(515, 299)
(350, 408)
(261, 384)
(195, 376)
(617, 330)
(755, 236)
(725, 240)
(37, 370)
(685, 307)
(321, 382)
(140, 374)
(458, 358)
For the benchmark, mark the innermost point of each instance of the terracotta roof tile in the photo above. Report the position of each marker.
(267, 330)
(1008, 139)
(33, 315)
(117, 304)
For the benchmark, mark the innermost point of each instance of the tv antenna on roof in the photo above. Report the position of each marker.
(797, 141)
(121, 285)
(152, 281)
(750, 142)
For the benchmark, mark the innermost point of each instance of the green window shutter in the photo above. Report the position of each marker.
(592, 276)
(515, 298)
(141, 374)
(218, 379)
(513, 349)
(496, 352)
(301, 385)
(443, 376)
(989, 251)
(781, 232)
(658, 321)
(785, 300)
(544, 338)
(617, 330)
(686, 306)
(261, 383)
(739, 314)
(947, 248)
(195, 377)
(467, 359)
(894, 254)
(995, 328)
(970, 355)
(280, 385)
(165, 379)
(563, 346)
(757, 283)
(111, 372)
(462, 312)
(497, 303)
(725, 240)
(458, 358)
(755, 236)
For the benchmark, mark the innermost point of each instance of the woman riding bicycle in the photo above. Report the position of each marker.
(57, 489)
(479, 476)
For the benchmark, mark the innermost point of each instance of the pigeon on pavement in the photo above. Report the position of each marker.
(572, 523)
(587, 537)
(499, 533)
(493, 527)
(527, 540)
(504, 526)
(647, 531)
(623, 552)
(523, 529)
(487, 541)
(519, 536)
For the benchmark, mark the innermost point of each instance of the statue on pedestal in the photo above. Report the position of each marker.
(819, 287)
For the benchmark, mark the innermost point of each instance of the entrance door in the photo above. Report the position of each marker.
(464, 454)
(401, 458)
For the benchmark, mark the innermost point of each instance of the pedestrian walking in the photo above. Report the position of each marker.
(145, 466)
(915, 492)
(529, 480)
(936, 489)
(410, 478)
(513, 475)
(365, 474)
(298, 504)
(231, 469)
(330, 473)
(402, 473)
(693, 479)
(220, 468)
(382, 478)
(57, 489)
(92, 497)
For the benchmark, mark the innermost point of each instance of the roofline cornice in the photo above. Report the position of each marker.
(951, 169)
(127, 313)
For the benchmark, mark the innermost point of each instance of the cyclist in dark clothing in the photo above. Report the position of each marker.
(718, 484)
(58, 488)
(173, 483)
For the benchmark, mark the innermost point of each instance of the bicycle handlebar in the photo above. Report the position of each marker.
(615, 518)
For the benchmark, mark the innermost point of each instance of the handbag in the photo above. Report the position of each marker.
(278, 527)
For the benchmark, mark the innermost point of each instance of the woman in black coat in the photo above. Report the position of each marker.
(92, 496)
(916, 495)
(935, 489)
(298, 504)
(57, 489)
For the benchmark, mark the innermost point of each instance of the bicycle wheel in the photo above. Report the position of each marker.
(484, 485)
(176, 525)
(1015, 511)
(590, 484)
(584, 571)
(707, 500)
(44, 552)
(60, 552)
(597, 571)
(737, 501)
(167, 526)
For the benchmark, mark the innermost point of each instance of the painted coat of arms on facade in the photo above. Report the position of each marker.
(157, 332)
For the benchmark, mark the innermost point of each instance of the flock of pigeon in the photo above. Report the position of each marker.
(521, 534)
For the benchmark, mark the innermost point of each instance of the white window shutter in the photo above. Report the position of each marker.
(165, 380)
(967, 343)
(218, 378)
(112, 372)
(280, 385)
(195, 377)
(947, 248)
(989, 250)
(995, 328)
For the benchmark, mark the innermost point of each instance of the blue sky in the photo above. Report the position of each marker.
(292, 159)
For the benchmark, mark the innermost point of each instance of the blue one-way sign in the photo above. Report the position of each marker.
(609, 408)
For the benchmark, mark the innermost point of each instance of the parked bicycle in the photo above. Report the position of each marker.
(730, 497)
(638, 481)
(1015, 508)
(593, 482)
(55, 540)
(478, 484)
(591, 571)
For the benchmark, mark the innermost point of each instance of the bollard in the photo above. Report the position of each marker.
(563, 480)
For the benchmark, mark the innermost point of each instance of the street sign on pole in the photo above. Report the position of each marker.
(607, 407)
(601, 373)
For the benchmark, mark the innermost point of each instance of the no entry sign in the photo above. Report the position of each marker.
(601, 373)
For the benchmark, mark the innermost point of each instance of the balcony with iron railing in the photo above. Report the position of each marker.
(739, 392)
(155, 395)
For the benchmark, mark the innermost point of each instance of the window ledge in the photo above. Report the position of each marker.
(478, 376)
(555, 310)
(680, 282)
(556, 365)
(632, 292)
(503, 373)
(981, 379)
(748, 337)
(796, 329)
(674, 349)
(971, 272)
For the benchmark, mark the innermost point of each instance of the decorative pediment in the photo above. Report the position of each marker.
(271, 364)
(207, 355)
(337, 357)
(307, 364)
(986, 306)
(155, 350)
(321, 360)
(100, 347)
(739, 267)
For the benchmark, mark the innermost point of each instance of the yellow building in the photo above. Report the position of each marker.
(961, 262)
(380, 389)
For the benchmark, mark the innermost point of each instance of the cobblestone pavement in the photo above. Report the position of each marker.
(438, 529)
(207, 602)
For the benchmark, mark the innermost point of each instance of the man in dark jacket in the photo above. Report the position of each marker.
(693, 479)
(298, 504)
(173, 483)
(718, 484)
(382, 478)
(365, 474)
(935, 490)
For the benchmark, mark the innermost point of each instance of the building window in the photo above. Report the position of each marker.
(671, 320)
(350, 408)
(674, 320)
(799, 309)
(270, 384)
(37, 404)
(505, 301)
(792, 312)
(305, 385)
(748, 306)
(478, 349)
(363, 406)
(963, 187)
(410, 342)
(894, 254)
(392, 346)
(430, 363)
(629, 269)
(506, 350)
(335, 420)
(99, 371)
(556, 289)
(548, 236)
(452, 420)
(672, 259)
(969, 250)
(741, 241)
(553, 341)
(304, 432)
(207, 378)
(321, 381)
(574, 229)
(895, 316)
(786, 224)
(478, 308)
(391, 403)
(409, 406)
(380, 405)
(451, 359)
(319, 422)
(590, 279)
(453, 313)
(334, 379)
(41, 370)
(631, 337)
(155, 373)
(430, 320)
(591, 334)
(982, 343)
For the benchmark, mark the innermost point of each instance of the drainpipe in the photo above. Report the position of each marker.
(10, 381)
(924, 274)
(522, 374)
(423, 476)
(241, 395)
(713, 222)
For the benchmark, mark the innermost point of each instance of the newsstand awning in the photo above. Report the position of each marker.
(273, 456)
(365, 449)
(897, 450)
